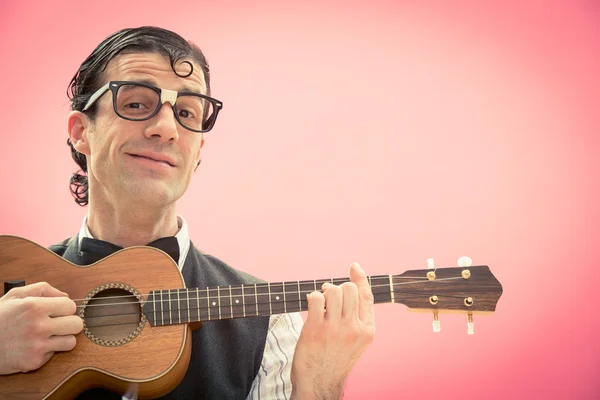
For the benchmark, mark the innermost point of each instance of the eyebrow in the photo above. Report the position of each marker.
(182, 88)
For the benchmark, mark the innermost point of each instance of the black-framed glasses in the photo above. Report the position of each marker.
(140, 101)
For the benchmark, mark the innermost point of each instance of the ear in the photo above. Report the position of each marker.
(200, 149)
(79, 125)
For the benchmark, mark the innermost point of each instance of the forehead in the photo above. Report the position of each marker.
(156, 68)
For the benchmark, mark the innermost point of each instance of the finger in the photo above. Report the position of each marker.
(47, 358)
(366, 309)
(333, 303)
(350, 297)
(62, 343)
(316, 307)
(69, 325)
(58, 306)
(39, 289)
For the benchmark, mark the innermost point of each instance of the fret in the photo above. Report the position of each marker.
(299, 298)
(169, 304)
(382, 288)
(256, 298)
(214, 304)
(225, 303)
(269, 300)
(189, 310)
(237, 301)
(174, 304)
(153, 298)
(208, 302)
(284, 299)
(164, 300)
(243, 300)
(203, 309)
(306, 287)
(184, 309)
(219, 300)
(193, 308)
(179, 306)
(230, 302)
(158, 305)
(291, 297)
(320, 282)
(339, 281)
(276, 298)
(263, 305)
(250, 300)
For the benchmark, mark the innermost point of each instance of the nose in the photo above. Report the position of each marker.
(163, 125)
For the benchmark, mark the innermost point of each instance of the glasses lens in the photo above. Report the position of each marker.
(193, 110)
(136, 102)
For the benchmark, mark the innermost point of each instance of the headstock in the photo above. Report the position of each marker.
(464, 289)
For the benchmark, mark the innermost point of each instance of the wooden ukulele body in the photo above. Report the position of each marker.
(127, 350)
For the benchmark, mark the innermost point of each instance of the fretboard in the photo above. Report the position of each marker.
(177, 306)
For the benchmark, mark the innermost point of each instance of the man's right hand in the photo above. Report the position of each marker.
(37, 321)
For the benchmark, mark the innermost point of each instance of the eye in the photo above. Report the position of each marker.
(186, 114)
(135, 105)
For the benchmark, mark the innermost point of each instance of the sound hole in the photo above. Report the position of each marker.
(112, 315)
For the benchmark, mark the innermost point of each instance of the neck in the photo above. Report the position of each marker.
(177, 306)
(130, 225)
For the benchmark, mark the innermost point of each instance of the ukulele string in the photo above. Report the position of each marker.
(225, 315)
(316, 282)
(205, 308)
(218, 296)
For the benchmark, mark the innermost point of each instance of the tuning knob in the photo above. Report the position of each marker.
(470, 325)
(430, 263)
(436, 323)
(464, 261)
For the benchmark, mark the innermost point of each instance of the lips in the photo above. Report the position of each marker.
(155, 157)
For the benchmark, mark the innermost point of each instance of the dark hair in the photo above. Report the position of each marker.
(87, 80)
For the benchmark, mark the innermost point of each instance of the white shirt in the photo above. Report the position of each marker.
(273, 379)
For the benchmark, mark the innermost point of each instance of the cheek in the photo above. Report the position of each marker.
(195, 151)
(103, 141)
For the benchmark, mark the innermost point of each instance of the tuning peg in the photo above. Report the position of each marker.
(470, 325)
(436, 323)
(464, 261)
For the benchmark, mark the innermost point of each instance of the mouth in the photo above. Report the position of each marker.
(152, 159)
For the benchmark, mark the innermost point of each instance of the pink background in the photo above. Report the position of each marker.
(382, 132)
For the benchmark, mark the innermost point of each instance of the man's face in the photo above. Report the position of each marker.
(121, 154)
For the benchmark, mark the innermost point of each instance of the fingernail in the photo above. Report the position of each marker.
(325, 285)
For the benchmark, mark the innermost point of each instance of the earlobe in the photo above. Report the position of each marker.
(78, 125)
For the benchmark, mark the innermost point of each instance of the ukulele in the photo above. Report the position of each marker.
(145, 315)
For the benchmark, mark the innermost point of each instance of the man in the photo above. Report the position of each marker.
(141, 106)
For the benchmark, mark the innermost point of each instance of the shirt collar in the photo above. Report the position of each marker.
(182, 236)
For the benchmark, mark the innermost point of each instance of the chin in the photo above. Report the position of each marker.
(157, 194)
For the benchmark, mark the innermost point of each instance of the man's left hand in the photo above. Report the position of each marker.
(339, 327)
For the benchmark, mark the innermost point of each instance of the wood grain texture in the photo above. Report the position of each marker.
(414, 290)
(156, 359)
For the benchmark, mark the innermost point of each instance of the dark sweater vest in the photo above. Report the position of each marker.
(226, 355)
